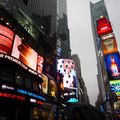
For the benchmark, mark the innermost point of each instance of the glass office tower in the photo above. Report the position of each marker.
(63, 41)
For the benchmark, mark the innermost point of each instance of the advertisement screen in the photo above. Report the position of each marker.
(117, 106)
(109, 46)
(115, 86)
(68, 84)
(52, 88)
(15, 48)
(6, 39)
(45, 84)
(24, 53)
(103, 26)
(112, 62)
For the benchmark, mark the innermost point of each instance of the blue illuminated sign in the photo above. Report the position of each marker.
(73, 100)
(30, 94)
(112, 62)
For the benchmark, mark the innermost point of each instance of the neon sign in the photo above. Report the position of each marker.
(19, 63)
(30, 94)
(7, 87)
(13, 96)
(73, 100)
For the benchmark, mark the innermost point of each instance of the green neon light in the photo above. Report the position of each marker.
(115, 82)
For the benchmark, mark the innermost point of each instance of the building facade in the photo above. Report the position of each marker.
(63, 40)
(82, 91)
(29, 28)
(108, 60)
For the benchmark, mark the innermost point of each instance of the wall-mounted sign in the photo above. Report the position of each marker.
(109, 46)
(73, 100)
(112, 62)
(68, 84)
(6, 39)
(6, 87)
(36, 101)
(103, 26)
(24, 92)
(22, 53)
(13, 96)
(115, 86)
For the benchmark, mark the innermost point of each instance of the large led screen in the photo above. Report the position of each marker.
(24, 53)
(112, 62)
(69, 83)
(115, 86)
(6, 39)
(103, 26)
(109, 46)
(12, 45)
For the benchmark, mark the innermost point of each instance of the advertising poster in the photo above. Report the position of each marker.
(45, 84)
(6, 39)
(109, 46)
(112, 62)
(24, 53)
(115, 87)
(68, 84)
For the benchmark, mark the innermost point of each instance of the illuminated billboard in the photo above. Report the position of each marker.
(115, 86)
(68, 83)
(16, 50)
(24, 53)
(103, 26)
(109, 46)
(45, 84)
(6, 39)
(117, 106)
(52, 88)
(112, 62)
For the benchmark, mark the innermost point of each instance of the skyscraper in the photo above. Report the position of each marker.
(82, 91)
(62, 30)
(43, 12)
(97, 10)
(108, 60)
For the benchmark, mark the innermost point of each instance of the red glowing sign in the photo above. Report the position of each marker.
(103, 26)
(40, 103)
(18, 49)
(6, 39)
(13, 96)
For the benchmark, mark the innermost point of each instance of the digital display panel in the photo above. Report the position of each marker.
(103, 26)
(52, 88)
(45, 84)
(6, 39)
(115, 86)
(112, 62)
(117, 106)
(24, 53)
(68, 83)
(109, 46)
